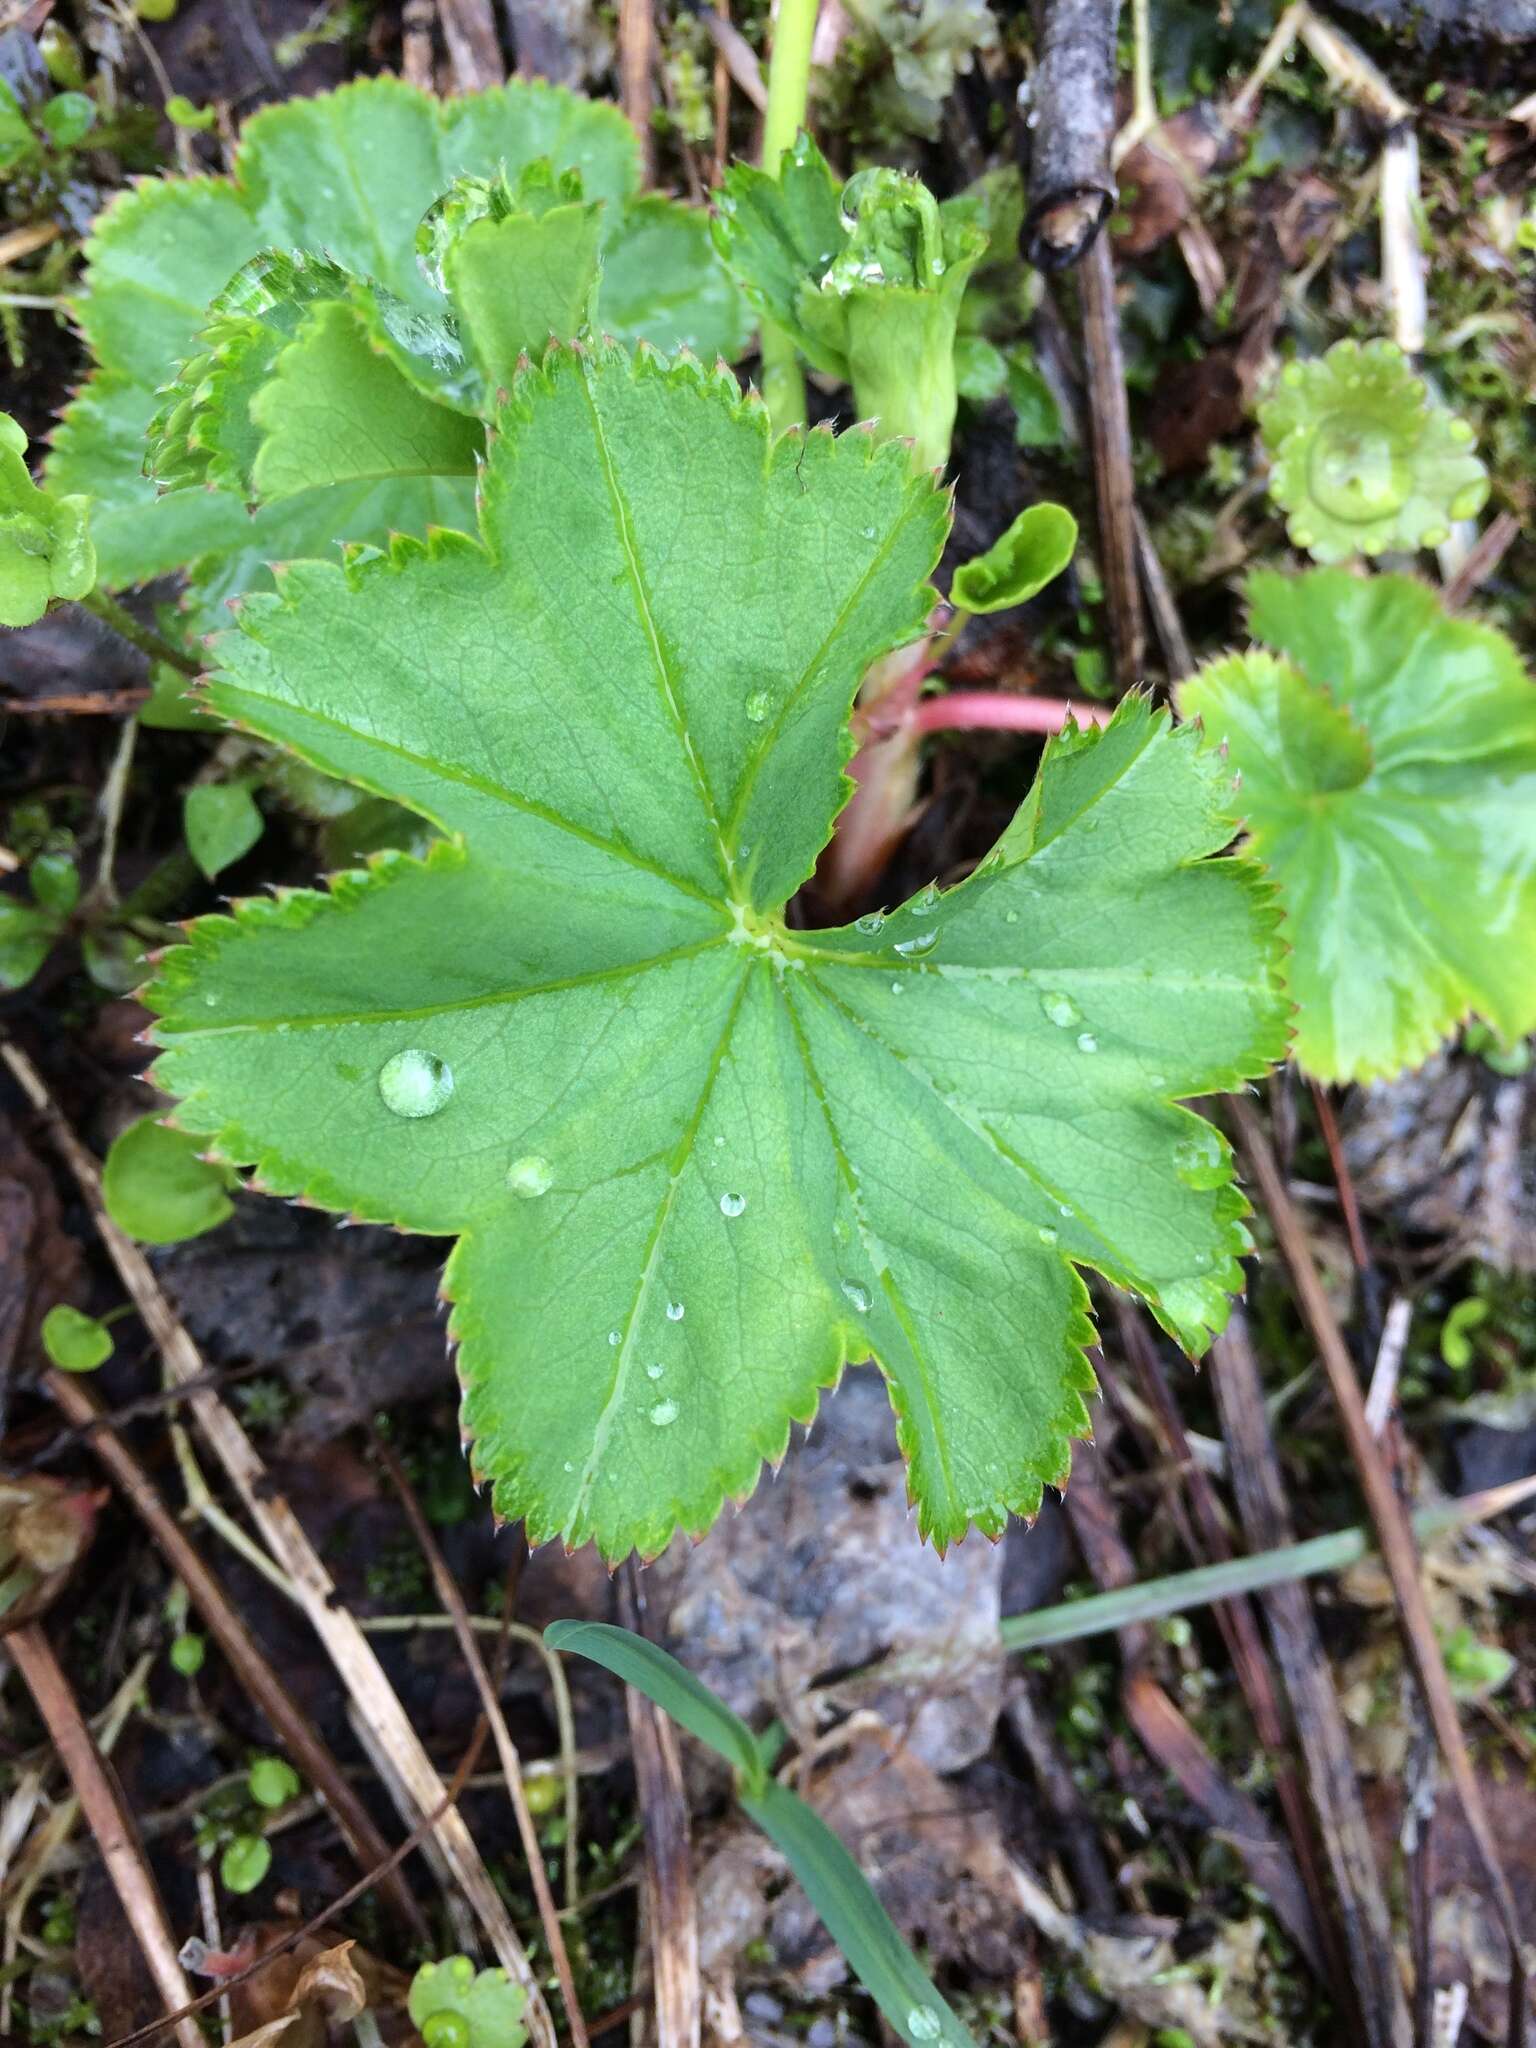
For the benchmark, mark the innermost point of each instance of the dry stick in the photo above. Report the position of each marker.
(1480, 560)
(637, 84)
(474, 49)
(511, 1764)
(102, 1805)
(366, 1883)
(1163, 1730)
(1109, 423)
(345, 1643)
(1239, 1625)
(1261, 1502)
(1394, 1533)
(671, 1910)
(1071, 125)
(293, 1729)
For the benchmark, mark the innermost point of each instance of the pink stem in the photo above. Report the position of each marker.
(999, 711)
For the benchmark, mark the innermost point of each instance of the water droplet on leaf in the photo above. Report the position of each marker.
(530, 1176)
(1086, 1042)
(871, 922)
(858, 1295)
(757, 706)
(415, 1083)
(920, 942)
(732, 1205)
(924, 2024)
(675, 1311)
(1060, 1008)
(663, 1413)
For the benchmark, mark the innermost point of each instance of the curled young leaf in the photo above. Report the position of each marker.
(1362, 458)
(1385, 767)
(1019, 564)
(697, 1159)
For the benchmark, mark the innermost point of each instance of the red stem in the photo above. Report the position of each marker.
(1000, 711)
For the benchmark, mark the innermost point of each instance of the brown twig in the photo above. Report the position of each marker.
(76, 704)
(637, 81)
(1393, 1531)
(1071, 126)
(292, 1728)
(1109, 424)
(469, 1648)
(671, 1914)
(414, 1840)
(1481, 560)
(348, 1647)
(1260, 1491)
(102, 1804)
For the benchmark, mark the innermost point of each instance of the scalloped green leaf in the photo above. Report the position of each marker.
(351, 172)
(697, 1160)
(46, 550)
(1386, 774)
(1362, 458)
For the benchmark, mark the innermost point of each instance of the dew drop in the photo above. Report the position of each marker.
(614, 1337)
(1198, 1160)
(757, 706)
(920, 942)
(1060, 1008)
(663, 1413)
(872, 921)
(654, 1372)
(858, 1295)
(732, 1205)
(210, 999)
(928, 898)
(924, 2024)
(1010, 917)
(869, 533)
(569, 1467)
(897, 987)
(1086, 1042)
(675, 1311)
(719, 1137)
(415, 1083)
(530, 1176)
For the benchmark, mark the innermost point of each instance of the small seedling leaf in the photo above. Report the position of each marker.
(157, 1188)
(222, 822)
(73, 1341)
(453, 2005)
(671, 1686)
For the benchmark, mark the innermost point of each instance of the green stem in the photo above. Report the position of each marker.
(145, 638)
(789, 87)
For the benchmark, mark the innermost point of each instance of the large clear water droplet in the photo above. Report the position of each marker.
(757, 706)
(663, 1413)
(858, 1295)
(654, 1372)
(1198, 1159)
(530, 1176)
(924, 2024)
(675, 1311)
(1060, 1008)
(1086, 1042)
(919, 943)
(732, 1205)
(415, 1083)
(871, 922)
(1047, 1234)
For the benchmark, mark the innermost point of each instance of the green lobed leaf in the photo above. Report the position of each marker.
(1033, 551)
(1386, 763)
(1362, 457)
(696, 1160)
(27, 935)
(454, 2005)
(45, 539)
(157, 1188)
(349, 172)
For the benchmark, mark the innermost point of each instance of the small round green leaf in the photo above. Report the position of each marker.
(55, 882)
(455, 2006)
(188, 1653)
(75, 1342)
(272, 1782)
(245, 1863)
(68, 117)
(157, 1189)
(222, 822)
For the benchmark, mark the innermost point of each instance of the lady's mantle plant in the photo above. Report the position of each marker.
(697, 1160)
(1386, 763)
(325, 365)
